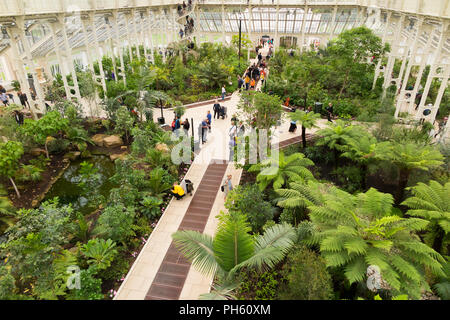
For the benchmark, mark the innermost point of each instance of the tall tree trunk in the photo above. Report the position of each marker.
(304, 137)
(15, 187)
(438, 239)
(46, 150)
(345, 84)
(306, 101)
(336, 158)
(402, 183)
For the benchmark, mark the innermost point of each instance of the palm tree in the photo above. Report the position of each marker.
(356, 231)
(431, 202)
(307, 120)
(280, 171)
(233, 248)
(361, 150)
(335, 136)
(408, 157)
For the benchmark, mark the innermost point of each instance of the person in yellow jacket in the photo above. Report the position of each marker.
(247, 82)
(177, 191)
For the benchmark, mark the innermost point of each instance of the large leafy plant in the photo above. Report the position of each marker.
(100, 252)
(43, 130)
(10, 154)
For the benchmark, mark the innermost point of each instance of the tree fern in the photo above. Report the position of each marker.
(279, 171)
(363, 230)
(431, 202)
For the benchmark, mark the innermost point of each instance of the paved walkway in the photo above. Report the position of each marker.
(159, 271)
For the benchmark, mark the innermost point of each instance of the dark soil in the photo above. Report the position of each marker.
(32, 190)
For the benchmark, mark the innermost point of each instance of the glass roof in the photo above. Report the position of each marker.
(290, 20)
(262, 20)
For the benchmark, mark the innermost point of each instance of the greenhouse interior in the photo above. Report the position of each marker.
(224, 150)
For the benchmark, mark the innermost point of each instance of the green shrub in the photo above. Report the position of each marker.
(90, 287)
(151, 207)
(58, 145)
(257, 286)
(115, 223)
(349, 178)
(306, 277)
(249, 200)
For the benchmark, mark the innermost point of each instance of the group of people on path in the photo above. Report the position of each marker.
(176, 125)
(256, 72)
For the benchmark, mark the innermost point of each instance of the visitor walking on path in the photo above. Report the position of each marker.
(293, 126)
(177, 191)
(216, 109)
(240, 83)
(223, 92)
(329, 112)
(247, 82)
(186, 127)
(19, 117)
(223, 112)
(204, 130)
(227, 186)
(23, 99)
(209, 117)
(4, 99)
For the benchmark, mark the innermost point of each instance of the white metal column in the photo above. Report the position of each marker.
(302, 41)
(98, 55)
(433, 69)
(19, 67)
(393, 55)
(150, 34)
(135, 35)
(401, 99)
(68, 55)
(118, 45)
(378, 68)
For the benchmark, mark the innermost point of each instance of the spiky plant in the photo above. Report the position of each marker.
(335, 136)
(307, 120)
(431, 202)
(279, 171)
(233, 248)
(408, 157)
(356, 231)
